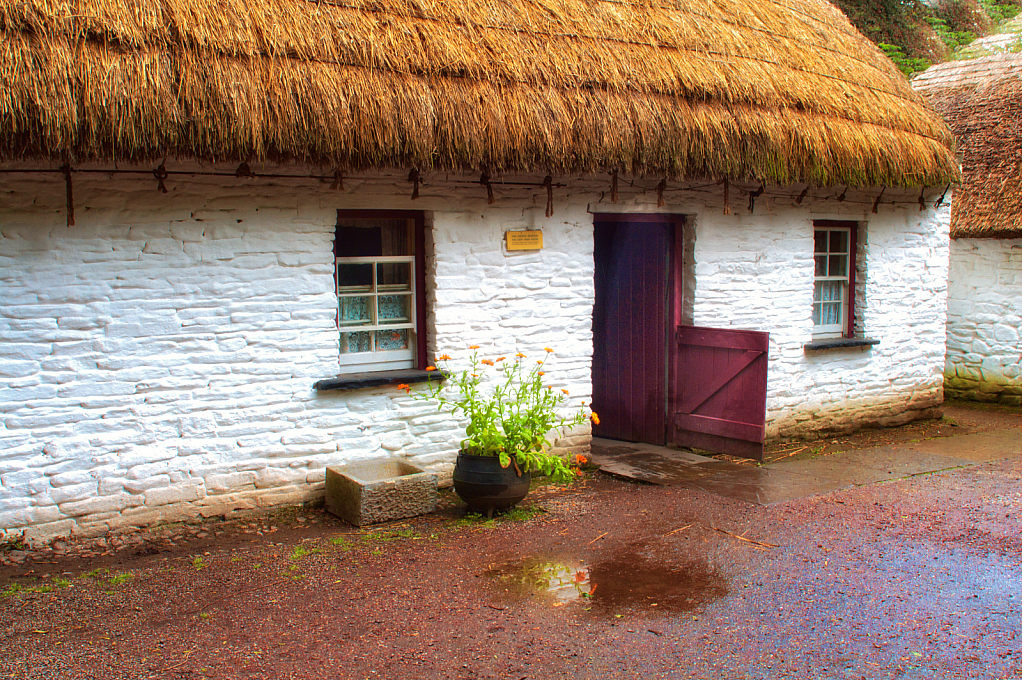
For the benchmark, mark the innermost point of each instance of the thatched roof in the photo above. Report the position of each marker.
(982, 101)
(776, 90)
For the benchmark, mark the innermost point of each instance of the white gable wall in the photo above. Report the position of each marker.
(158, 357)
(984, 341)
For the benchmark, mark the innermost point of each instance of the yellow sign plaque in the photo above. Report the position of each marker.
(524, 240)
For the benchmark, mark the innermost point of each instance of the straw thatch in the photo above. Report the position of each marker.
(781, 90)
(982, 101)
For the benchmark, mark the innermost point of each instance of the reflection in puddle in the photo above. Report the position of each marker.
(564, 581)
(626, 580)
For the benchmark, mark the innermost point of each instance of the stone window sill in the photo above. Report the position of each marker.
(358, 381)
(838, 343)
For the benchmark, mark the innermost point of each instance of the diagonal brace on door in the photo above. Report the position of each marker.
(699, 397)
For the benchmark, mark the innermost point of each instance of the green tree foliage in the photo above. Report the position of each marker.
(915, 35)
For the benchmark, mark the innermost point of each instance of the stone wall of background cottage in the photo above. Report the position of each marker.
(984, 344)
(158, 357)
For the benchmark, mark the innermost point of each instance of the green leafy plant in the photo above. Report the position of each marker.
(510, 416)
(907, 65)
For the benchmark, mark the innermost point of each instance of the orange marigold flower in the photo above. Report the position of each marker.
(595, 418)
(486, 362)
(580, 459)
(500, 359)
(404, 387)
(548, 350)
(473, 346)
(431, 368)
(444, 357)
(540, 363)
(565, 391)
(475, 375)
(541, 373)
(520, 355)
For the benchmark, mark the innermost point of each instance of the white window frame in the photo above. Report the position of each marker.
(839, 329)
(374, 360)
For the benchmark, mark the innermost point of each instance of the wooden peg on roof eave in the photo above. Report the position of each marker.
(876, 203)
(414, 178)
(727, 197)
(66, 169)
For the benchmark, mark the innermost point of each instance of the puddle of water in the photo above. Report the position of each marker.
(564, 581)
(626, 580)
(630, 580)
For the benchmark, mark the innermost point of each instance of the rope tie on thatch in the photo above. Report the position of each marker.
(802, 196)
(922, 200)
(161, 174)
(414, 178)
(485, 181)
(548, 182)
(66, 169)
(753, 195)
(940, 201)
(727, 196)
(243, 171)
(613, 187)
(876, 203)
(660, 202)
(844, 194)
(338, 182)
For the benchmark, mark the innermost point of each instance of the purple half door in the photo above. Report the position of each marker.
(632, 313)
(719, 393)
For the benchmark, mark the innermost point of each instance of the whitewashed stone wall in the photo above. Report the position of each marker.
(756, 272)
(984, 341)
(158, 357)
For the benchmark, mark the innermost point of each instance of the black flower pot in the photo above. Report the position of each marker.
(485, 486)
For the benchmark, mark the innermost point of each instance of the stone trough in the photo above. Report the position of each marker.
(379, 490)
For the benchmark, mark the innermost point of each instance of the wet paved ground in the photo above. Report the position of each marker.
(785, 481)
(911, 577)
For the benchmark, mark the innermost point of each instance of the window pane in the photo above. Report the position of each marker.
(830, 313)
(839, 241)
(355, 342)
(829, 291)
(816, 314)
(821, 265)
(352, 278)
(354, 311)
(838, 265)
(395, 309)
(394, 276)
(821, 241)
(392, 340)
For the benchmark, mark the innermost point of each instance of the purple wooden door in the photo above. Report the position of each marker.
(719, 390)
(630, 322)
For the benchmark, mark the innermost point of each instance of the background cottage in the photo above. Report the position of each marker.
(210, 209)
(982, 101)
